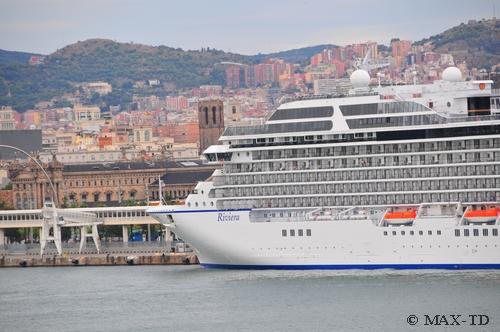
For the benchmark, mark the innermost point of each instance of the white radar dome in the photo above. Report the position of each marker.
(452, 74)
(360, 78)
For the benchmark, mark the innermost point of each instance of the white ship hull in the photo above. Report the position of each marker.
(228, 239)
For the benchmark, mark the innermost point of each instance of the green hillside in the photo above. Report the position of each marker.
(477, 43)
(13, 57)
(120, 64)
(299, 55)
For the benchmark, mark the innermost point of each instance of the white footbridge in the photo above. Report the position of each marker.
(51, 220)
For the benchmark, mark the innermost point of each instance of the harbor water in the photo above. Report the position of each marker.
(191, 298)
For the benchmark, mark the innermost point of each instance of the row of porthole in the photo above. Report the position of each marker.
(412, 233)
(326, 248)
(449, 246)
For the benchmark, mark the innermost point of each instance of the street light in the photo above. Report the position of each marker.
(54, 195)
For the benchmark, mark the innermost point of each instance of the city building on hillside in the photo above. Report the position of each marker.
(101, 88)
(180, 132)
(328, 86)
(86, 113)
(232, 111)
(7, 121)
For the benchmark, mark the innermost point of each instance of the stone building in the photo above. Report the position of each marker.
(210, 122)
(107, 184)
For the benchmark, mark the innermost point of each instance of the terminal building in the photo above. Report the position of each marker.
(102, 184)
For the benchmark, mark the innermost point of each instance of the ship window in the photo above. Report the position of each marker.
(393, 232)
(385, 232)
(412, 233)
(211, 203)
(189, 204)
(308, 232)
(485, 232)
(457, 232)
(283, 232)
(466, 232)
(429, 232)
(196, 204)
(438, 232)
(402, 232)
(292, 232)
(420, 233)
(302, 113)
(476, 232)
(301, 232)
(494, 232)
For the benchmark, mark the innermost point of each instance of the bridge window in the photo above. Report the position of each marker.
(485, 232)
(301, 232)
(466, 232)
(457, 232)
(476, 232)
(292, 232)
(283, 232)
(494, 232)
(308, 232)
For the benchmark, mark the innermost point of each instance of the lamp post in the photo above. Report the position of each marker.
(54, 195)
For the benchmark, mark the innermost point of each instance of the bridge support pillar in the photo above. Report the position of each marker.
(2, 237)
(125, 233)
(51, 230)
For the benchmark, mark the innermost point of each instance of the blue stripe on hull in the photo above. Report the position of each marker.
(196, 211)
(355, 267)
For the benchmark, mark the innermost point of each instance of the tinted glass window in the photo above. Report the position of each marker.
(302, 113)
(279, 128)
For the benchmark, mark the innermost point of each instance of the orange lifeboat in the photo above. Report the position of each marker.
(482, 216)
(400, 217)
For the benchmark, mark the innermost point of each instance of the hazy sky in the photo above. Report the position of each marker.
(246, 27)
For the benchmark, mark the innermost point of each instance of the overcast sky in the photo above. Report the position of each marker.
(246, 27)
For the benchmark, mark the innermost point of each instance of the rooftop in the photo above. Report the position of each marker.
(132, 165)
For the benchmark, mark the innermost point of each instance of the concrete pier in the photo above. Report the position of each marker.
(99, 260)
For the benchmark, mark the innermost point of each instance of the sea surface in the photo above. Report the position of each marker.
(191, 298)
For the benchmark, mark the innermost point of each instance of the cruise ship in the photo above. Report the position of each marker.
(402, 177)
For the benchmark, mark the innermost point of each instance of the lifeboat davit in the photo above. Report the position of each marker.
(400, 217)
(482, 216)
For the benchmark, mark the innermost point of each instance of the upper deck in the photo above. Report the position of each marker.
(395, 108)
